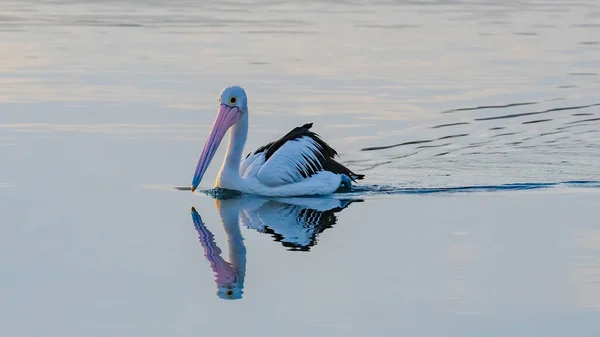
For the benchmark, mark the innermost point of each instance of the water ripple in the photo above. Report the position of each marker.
(536, 112)
(481, 107)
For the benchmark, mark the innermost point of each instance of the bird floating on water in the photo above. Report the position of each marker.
(299, 163)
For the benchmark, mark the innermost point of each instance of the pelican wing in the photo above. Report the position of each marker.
(296, 156)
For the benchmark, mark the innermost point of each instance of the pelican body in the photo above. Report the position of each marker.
(298, 164)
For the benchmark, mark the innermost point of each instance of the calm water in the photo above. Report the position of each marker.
(476, 122)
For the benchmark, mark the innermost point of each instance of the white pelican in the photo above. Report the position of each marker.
(299, 163)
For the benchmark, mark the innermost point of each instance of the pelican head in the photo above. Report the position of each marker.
(233, 103)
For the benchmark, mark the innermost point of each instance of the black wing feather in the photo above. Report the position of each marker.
(325, 153)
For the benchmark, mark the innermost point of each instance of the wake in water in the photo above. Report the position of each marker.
(372, 190)
(366, 190)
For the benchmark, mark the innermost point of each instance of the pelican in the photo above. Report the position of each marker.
(298, 164)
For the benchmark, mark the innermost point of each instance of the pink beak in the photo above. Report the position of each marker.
(226, 117)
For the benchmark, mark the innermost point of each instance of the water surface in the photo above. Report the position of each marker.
(105, 106)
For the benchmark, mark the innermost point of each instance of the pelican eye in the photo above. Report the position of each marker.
(232, 100)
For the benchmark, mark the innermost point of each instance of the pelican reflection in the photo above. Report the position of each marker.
(294, 222)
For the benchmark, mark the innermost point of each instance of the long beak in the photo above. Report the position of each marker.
(226, 117)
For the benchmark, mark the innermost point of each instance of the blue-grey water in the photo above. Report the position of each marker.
(477, 124)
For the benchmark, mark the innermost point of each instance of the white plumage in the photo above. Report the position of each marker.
(291, 163)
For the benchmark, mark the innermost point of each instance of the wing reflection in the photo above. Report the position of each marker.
(294, 222)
